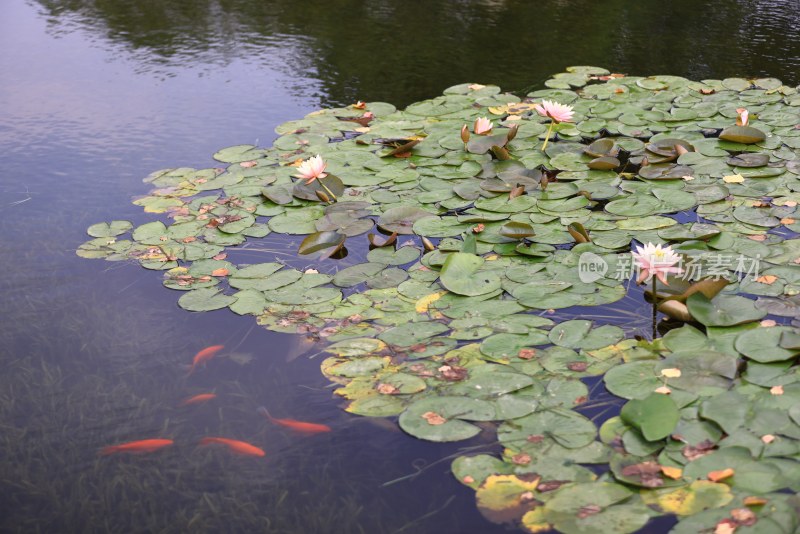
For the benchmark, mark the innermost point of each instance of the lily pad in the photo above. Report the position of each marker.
(655, 416)
(723, 310)
(205, 299)
(462, 274)
(109, 229)
(401, 219)
(445, 418)
(763, 344)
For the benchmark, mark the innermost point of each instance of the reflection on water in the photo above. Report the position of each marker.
(402, 52)
(95, 95)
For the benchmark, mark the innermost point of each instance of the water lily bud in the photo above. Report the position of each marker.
(517, 191)
(323, 196)
(512, 132)
(500, 153)
(742, 119)
(543, 181)
(482, 126)
(427, 244)
(465, 134)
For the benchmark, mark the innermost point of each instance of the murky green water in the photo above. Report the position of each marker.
(95, 95)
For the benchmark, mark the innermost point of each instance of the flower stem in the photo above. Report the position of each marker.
(655, 307)
(325, 187)
(549, 131)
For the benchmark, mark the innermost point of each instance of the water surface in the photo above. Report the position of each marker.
(96, 95)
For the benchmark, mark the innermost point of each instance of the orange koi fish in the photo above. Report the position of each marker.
(197, 399)
(137, 447)
(204, 355)
(236, 446)
(298, 426)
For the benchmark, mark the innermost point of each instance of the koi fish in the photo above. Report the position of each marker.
(298, 426)
(137, 447)
(204, 355)
(197, 399)
(236, 446)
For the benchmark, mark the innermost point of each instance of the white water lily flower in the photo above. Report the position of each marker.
(312, 169)
(482, 126)
(554, 110)
(654, 260)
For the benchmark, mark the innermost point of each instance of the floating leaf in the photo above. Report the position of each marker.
(746, 135)
(723, 310)
(321, 241)
(205, 299)
(461, 274)
(504, 498)
(110, 229)
(516, 230)
(655, 416)
(763, 344)
(595, 507)
(698, 496)
(401, 220)
(453, 411)
(567, 428)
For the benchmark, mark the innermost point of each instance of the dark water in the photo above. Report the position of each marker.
(94, 95)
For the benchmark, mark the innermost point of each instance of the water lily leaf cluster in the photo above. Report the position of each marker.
(443, 276)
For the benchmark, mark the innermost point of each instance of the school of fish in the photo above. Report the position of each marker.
(238, 447)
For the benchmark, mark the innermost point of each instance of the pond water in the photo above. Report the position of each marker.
(96, 95)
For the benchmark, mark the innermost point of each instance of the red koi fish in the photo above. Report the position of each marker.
(297, 426)
(137, 447)
(204, 355)
(235, 446)
(197, 399)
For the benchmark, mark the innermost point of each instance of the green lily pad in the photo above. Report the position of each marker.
(473, 470)
(412, 333)
(746, 135)
(748, 474)
(205, 299)
(109, 229)
(594, 507)
(376, 406)
(655, 416)
(444, 418)
(763, 344)
(564, 427)
(357, 274)
(388, 256)
(462, 274)
(723, 310)
(401, 219)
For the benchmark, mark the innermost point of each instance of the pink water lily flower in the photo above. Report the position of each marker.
(654, 260)
(482, 126)
(312, 169)
(554, 110)
(742, 119)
